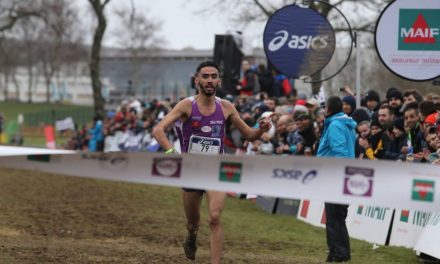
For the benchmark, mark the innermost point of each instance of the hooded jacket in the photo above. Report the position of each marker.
(338, 138)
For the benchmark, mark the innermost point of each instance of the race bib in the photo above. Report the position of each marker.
(204, 145)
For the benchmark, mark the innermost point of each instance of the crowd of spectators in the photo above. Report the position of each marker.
(403, 126)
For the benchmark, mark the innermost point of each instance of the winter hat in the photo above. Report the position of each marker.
(399, 123)
(372, 96)
(360, 115)
(395, 94)
(351, 101)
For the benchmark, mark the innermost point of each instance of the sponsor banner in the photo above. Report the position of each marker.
(298, 41)
(311, 212)
(428, 242)
(408, 38)
(370, 223)
(345, 181)
(408, 226)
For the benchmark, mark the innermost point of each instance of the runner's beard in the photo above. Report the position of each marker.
(209, 94)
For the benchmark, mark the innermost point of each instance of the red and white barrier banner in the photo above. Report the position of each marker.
(312, 212)
(345, 181)
(370, 223)
(408, 226)
(429, 241)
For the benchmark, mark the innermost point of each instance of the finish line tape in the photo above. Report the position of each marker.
(380, 183)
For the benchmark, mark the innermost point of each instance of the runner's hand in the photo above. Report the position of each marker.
(264, 123)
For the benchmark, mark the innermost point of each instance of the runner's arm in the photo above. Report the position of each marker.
(159, 130)
(248, 133)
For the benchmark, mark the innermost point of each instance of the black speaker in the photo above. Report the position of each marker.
(228, 56)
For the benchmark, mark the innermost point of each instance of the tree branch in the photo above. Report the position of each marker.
(14, 16)
(265, 11)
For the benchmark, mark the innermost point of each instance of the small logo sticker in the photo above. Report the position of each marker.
(230, 172)
(404, 215)
(358, 181)
(360, 209)
(206, 129)
(167, 167)
(216, 130)
(423, 190)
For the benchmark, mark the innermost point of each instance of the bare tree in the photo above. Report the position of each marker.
(98, 7)
(13, 10)
(60, 17)
(11, 13)
(137, 34)
(27, 30)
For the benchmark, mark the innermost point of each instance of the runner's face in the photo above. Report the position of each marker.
(208, 80)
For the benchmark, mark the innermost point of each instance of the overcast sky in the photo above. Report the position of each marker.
(181, 26)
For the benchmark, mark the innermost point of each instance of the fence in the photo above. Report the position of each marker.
(79, 116)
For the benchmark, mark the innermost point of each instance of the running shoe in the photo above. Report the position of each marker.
(190, 247)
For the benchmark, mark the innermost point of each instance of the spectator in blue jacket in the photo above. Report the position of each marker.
(338, 140)
(96, 141)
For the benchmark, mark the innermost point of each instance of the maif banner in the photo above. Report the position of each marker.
(408, 38)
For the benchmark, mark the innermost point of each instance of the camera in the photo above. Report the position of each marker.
(342, 89)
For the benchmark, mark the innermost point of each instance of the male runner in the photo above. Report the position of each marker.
(200, 122)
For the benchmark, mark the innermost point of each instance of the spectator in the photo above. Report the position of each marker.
(248, 82)
(348, 104)
(312, 105)
(306, 128)
(410, 96)
(414, 137)
(265, 79)
(372, 100)
(373, 145)
(399, 137)
(281, 86)
(360, 114)
(364, 133)
(281, 144)
(271, 103)
(395, 100)
(338, 140)
(96, 142)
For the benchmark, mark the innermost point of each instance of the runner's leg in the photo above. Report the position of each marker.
(191, 204)
(216, 202)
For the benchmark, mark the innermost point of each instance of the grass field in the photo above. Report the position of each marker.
(35, 136)
(48, 218)
(11, 109)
